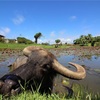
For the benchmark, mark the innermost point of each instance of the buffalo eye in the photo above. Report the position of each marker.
(47, 66)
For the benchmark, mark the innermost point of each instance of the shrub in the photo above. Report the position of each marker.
(97, 44)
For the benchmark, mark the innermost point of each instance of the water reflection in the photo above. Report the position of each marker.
(91, 61)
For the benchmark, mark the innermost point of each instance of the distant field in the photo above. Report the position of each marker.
(21, 46)
(18, 46)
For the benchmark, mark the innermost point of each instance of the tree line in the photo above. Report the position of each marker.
(86, 40)
(83, 40)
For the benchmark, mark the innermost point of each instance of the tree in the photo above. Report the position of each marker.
(57, 41)
(89, 38)
(37, 36)
(83, 40)
(2, 40)
(77, 41)
(24, 40)
(97, 38)
(21, 40)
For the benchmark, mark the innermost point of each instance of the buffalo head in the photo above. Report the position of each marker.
(55, 65)
(38, 67)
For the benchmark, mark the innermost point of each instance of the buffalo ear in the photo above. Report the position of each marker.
(1, 83)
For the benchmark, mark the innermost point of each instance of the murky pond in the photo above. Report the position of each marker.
(92, 80)
(88, 59)
(6, 59)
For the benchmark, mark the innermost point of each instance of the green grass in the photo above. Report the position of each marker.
(79, 93)
(13, 45)
(36, 96)
(21, 46)
(33, 96)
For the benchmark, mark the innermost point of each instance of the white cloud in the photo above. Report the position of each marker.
(69, 41)
(73, 17)
(64, 40)
(97, 34)
(62, 32)
(52, 34)
(50, 41)
(18, 19)
(43, 41)
(4, 31)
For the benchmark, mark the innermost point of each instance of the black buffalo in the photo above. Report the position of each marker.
(36, 69)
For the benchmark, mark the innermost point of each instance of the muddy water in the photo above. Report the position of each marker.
(4, 65)
(92, 80)
(6, 59)
(89, 59)
(91, 62)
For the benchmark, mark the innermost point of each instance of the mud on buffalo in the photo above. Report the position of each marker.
(36, 68)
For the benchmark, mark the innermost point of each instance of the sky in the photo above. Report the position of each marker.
(66, 20)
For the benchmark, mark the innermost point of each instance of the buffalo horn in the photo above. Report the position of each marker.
(79, 74)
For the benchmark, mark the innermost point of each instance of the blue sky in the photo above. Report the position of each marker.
(55, 19)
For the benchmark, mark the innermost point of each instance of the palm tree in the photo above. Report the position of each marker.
(89, 38)
(77, 41)
(83, 40)
(37, 36)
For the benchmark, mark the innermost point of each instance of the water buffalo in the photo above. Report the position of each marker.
(37, 69)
